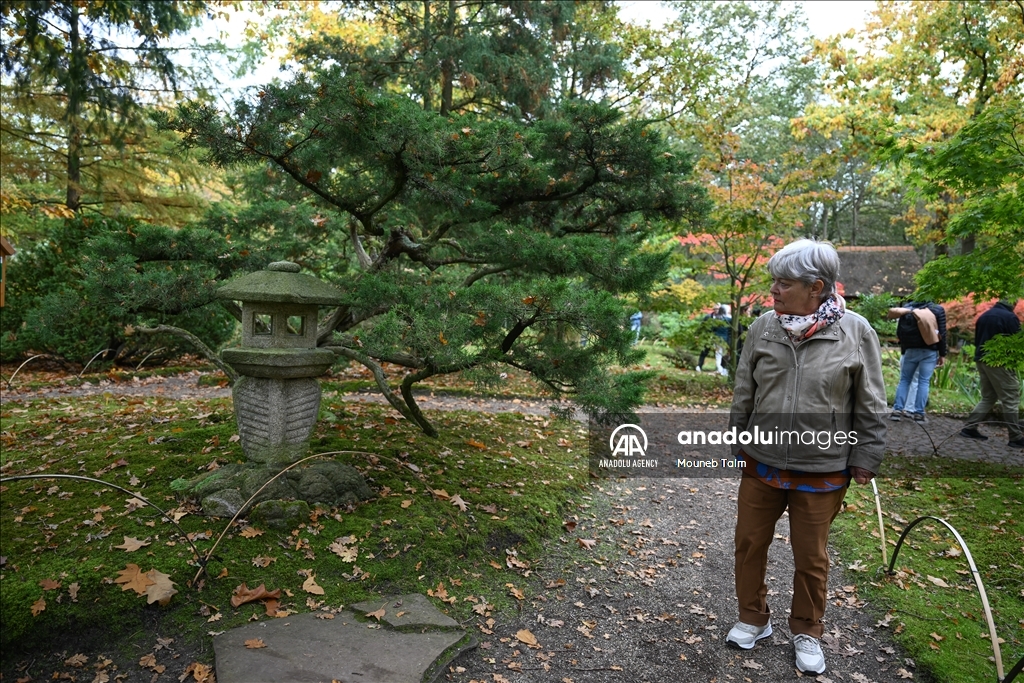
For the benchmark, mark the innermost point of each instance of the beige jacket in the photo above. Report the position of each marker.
(804, 396)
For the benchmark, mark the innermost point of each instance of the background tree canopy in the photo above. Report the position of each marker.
(493, 184)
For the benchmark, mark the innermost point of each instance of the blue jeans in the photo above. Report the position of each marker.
(925, 359)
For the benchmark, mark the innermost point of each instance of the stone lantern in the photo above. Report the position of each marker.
(277, 398)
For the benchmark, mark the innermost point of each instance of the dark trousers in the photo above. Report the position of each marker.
(810, 516)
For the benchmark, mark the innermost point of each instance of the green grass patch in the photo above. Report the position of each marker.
(931, 603)
(517, 478)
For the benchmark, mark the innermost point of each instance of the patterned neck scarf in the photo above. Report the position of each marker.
(800, 327)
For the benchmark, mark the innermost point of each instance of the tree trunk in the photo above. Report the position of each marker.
(448, 66)
(428, 102)
(76, 78)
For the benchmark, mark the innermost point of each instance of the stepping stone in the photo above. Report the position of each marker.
(412, 648)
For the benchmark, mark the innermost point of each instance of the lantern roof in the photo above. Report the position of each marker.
(281, 282)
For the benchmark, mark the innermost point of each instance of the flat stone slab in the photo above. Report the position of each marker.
(347, 649)
(408, 612)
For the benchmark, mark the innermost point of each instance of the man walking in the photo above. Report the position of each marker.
(997, 384)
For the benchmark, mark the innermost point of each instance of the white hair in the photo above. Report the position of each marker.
(807, 260)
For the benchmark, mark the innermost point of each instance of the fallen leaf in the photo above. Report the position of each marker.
(261, 561)
(376, 615)
(147, 660)
(458, 502)
(76, 661)
(49, 584)
(406, 503)
(751, 664)
(569, 525)
(310, 586)
(938, 582)
(440, 493)
(255, 643)
(250, 532)
(904, 673)
(73, 591)
(101, 677)
(133, 578)
(38, 606)
(162, 589)
(244, 594)
(937, 637)
(525, 636)
(586, 543)
(476, 444)
(131, 544)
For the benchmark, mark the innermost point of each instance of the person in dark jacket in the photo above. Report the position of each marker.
(997, 384)
(919, 357)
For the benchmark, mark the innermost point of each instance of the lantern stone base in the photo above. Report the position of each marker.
(223, 492)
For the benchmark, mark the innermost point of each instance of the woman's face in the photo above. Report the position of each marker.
(793, 297)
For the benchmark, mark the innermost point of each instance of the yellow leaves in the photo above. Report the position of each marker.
(131, 544)
(441, 593)
(310, 585)
(133, 578)
(480, 445)
(441, 338)
(154, 584)
(243, 594)
(526, 636)
(343, 547)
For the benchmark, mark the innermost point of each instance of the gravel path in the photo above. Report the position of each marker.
(661, 612)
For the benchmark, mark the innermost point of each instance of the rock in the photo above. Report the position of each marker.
(223, 503)
(280, 515)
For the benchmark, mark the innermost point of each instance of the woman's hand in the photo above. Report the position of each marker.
(861, 475)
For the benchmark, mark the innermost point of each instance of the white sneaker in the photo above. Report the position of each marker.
(744, 636)
(809, 658)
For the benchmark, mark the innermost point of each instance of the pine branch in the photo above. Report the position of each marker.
(197, 343)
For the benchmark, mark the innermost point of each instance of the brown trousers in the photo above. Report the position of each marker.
(810, 516)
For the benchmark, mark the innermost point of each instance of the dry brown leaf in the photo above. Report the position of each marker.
(49, 584)
(101, 677)
(515, 592)
(131, 544)
(147, 660)
(494, 564)
(557, 583)
(73, 591)
(586, 543)
(440, 493)
(937, 637)
(255, 643)
(262, 562)
(310, 586)
(406, 503)
(526, 636)
(376, 615)
(458, 502)
(341, 548)
(201, 673)
(133, 578)
(250, 532)
(751, 664)
(476, 444)
(569, 525)
(271, 606)
(76, 661)
(162, 589)
(938, 582)
(244, 594)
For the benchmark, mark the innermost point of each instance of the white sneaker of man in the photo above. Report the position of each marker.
(744, 636)
(809, 658)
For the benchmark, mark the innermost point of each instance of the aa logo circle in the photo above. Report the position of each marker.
(628, 440)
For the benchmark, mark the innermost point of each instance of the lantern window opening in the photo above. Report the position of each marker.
(262, 324)
(296, 325)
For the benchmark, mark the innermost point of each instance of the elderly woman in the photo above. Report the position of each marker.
(810, 379)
